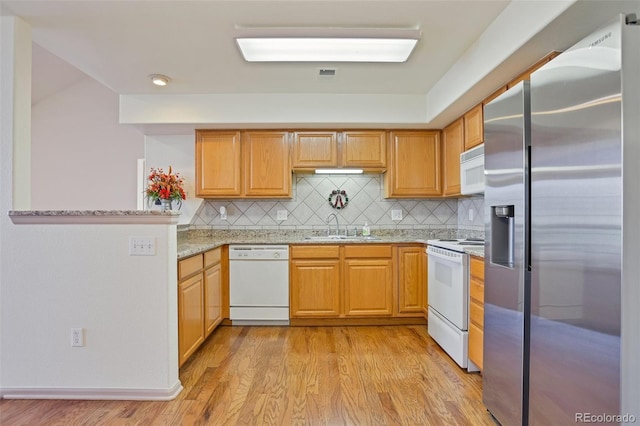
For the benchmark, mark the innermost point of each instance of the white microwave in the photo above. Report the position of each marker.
(472, 171)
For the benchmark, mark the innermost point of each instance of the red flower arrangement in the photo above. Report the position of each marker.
(165, 186)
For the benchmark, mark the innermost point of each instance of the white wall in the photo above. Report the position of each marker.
(15, 35)
(81, 157)
(56, 277)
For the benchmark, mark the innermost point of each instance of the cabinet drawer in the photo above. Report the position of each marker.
(361, 251)
(477, 268)
(476, 290)
(476, 337)
(189, 266)
(212, 257)
(315, 252)
(476, 313)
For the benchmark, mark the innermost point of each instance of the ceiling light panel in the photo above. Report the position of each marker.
(325, 49)
(327, 44)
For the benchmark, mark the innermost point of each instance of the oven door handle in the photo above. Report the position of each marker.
(454, 257)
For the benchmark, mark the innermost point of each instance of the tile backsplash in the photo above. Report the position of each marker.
(309, 208)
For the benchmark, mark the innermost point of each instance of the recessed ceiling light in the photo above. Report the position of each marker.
(327, 44)
(159, 79)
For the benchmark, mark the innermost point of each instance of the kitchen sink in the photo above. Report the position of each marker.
(340, 238)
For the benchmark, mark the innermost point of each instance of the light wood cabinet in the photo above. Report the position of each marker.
(314, 285)
(330, 281)
(414, 167)
(212, 290)
(364, 149)
(473, 127)
(249, 164)
(315, 288)
(266, 165)
(452, 147)
(368, 280)
(412, 280)
(476, 310)
(191, 332)
(315, 149)
(200, 283)
(368, 287)
(218, 164)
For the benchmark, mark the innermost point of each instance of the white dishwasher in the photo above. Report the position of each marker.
(259, 284)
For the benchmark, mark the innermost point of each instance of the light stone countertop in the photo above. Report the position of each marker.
(94, 217)
(192, 242)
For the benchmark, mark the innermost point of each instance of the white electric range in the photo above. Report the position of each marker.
(448, 284)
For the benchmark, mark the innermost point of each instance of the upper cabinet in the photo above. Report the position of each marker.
(317, 149)
(266, 165)
(250, 164)
(452, 147)
(218, 164)
(473, 127)
(414, 165)
(366, 149)
(314, 149)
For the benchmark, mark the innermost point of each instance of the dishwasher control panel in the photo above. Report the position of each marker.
(258, 252)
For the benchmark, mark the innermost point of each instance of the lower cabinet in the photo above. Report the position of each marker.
(199, 300)
(412, 280)
(357, 281)
(368, 281)
(476, 310)
(212, 290)
(314, 284)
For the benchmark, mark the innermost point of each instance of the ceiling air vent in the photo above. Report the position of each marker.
(327, 72)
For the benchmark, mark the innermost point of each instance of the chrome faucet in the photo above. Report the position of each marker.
(335, 216)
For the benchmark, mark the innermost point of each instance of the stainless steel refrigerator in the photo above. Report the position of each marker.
(562, 211)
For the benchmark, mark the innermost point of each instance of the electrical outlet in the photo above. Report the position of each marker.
(142, 246)
(77, 337)
(396, 214)
(281, 215)
(471, 213)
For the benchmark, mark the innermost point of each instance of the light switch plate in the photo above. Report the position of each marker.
(396, 214)
(142, 246)
(281, 215)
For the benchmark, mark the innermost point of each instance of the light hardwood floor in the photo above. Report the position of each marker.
(384, 375)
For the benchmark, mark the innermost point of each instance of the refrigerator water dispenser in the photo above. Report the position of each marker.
(502, 235)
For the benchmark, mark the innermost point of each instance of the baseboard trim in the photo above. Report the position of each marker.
(124, 394)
